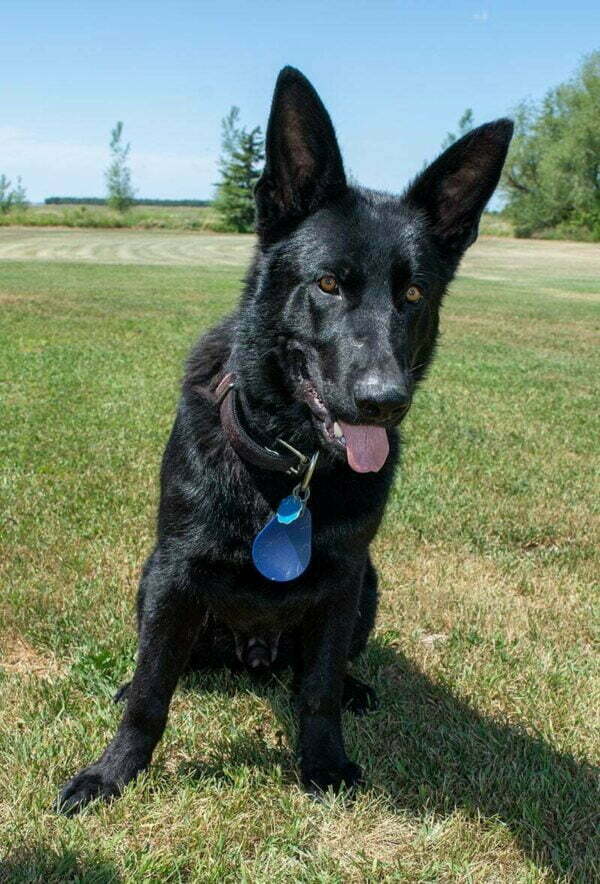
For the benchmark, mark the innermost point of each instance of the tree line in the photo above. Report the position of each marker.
(550, 183)
(103, 201)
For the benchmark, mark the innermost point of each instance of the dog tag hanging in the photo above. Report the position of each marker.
(282, 549)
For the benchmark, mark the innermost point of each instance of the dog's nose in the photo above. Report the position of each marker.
(378, 400)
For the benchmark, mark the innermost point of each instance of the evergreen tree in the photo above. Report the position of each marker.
(118, 175)
(239, 166)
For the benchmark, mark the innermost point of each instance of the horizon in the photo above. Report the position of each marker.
(172, 78)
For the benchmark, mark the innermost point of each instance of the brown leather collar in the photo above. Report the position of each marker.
(291, 462)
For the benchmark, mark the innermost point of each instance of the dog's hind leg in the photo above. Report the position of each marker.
(121, 693)
(170, 618)
(359, 697)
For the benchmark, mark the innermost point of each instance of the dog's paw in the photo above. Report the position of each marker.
(89, 784)
(121, 695)
(318, 780)
(359, 697)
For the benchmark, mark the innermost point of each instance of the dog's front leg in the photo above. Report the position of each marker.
(326, 639)
(169, 625)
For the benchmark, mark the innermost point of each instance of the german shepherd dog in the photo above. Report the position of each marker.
(334, 331)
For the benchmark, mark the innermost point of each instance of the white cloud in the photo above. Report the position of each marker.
(481, 16)
(61, 168)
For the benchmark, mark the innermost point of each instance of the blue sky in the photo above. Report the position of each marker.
(394, 75)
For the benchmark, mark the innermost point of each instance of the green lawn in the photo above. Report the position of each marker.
(481, 760)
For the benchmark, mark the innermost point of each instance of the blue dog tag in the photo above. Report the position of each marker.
(289, 509)
(281, 550)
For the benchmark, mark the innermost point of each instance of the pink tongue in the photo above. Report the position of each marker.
(367, 447)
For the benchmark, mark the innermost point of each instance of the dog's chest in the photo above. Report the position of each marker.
(247, 602)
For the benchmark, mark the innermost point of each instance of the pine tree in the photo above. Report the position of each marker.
(118, 175)
(242, 154)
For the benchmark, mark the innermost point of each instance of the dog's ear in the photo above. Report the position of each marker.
(455, 188)
(303, 166)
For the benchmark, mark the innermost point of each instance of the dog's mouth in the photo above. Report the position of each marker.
(365, 446)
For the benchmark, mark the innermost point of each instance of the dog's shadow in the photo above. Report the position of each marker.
(56, 866)
(431, 752)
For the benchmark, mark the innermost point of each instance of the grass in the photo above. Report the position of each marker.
(125, 247)
(203, 218)
(207, 218)
(495, 224)
(482, 761)
(143, 217)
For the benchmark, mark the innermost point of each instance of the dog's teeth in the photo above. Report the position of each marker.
(337, 431)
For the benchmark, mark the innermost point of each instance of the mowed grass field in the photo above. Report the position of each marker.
(482, 762)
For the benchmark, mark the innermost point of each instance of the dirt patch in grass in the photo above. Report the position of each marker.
(18, 657)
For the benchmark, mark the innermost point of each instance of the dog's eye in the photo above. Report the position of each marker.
(328, 284)
(413, 294)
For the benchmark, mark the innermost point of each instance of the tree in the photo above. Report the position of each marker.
(6, 194)
(239, 166)
(465, 124)
(12, 196)
(552, 175)
(20, 194)
(121, 194)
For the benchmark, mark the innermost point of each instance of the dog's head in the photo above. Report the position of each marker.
(347, 290)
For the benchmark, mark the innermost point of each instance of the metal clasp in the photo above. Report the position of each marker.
(305, 467)
(302, 489)
(302, 458)
(309, 472)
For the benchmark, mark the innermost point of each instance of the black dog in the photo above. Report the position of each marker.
(336, 327)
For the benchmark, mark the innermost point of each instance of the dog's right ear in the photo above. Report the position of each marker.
(303, 166)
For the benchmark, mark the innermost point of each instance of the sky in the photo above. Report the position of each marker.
(395, 77)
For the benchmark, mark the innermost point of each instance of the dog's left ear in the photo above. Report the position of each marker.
(303, 167)
(455, 188)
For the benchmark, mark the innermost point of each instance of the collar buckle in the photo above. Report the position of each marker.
(291, 462)
(300, 468)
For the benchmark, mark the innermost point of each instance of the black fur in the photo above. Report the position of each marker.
(302, 358)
